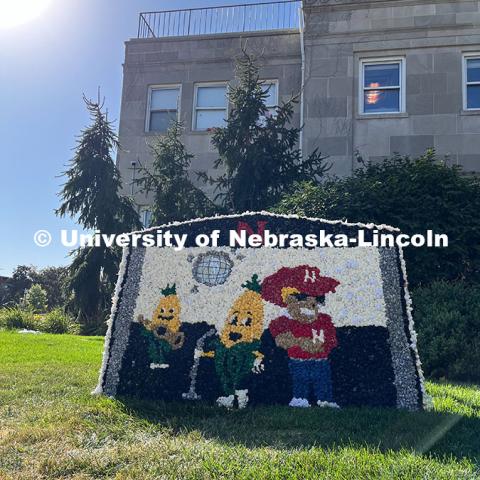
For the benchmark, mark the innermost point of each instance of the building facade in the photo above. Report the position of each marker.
(376, 77)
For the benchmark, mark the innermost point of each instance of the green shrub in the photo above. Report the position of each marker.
(36, 299)
(447, 319)
(57, 321)
(414, 195)
(16, 319)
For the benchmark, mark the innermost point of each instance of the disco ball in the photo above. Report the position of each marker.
(212, 268)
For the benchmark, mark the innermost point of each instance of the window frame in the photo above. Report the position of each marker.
(152, 88)
(402, 86)
(465, 83)
(195, 108)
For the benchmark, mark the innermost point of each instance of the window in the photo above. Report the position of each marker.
(210, 106)
(163, 106)
(382, 86)
(272, 100)
(472, 82)
(146, 218)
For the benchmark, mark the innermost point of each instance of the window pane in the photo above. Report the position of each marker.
(146, 218)
(473, 96)
(164, 99)
(271, 100)
(382, 101)
(473, 70)
(212, 96)
(160, 121)
(210, 118)
(382, 75)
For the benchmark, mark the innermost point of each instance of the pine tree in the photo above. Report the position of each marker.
(91, 195)
(175, 197)
(259, 158)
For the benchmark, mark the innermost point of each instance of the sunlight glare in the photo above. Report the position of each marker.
(17, 12)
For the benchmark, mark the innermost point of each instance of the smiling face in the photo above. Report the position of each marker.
(166, 316)
(244, 321)
(302, 308)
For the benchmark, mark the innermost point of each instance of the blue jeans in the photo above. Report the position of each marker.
(311, 374)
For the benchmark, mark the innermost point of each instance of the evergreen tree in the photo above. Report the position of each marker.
(259, 158)
(175, 197)
(91, 194)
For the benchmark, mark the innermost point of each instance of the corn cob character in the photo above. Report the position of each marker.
(162, 331)
(236, 349)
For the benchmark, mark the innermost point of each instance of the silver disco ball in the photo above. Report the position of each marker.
(212, 268)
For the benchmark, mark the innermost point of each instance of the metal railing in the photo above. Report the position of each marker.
(251, 17)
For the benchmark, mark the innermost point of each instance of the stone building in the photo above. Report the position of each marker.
(379, 77)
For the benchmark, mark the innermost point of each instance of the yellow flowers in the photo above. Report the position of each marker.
(167, 314)
(244, 321)
(165, 323)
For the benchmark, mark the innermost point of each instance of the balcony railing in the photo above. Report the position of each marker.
(213, 20)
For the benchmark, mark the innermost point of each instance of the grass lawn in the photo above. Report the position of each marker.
(51, 427)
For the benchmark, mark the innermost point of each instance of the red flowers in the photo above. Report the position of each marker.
(304, 279)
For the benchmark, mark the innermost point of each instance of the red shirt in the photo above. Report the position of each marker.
(307, 330)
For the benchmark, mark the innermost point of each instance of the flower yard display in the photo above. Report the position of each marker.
(241, 325)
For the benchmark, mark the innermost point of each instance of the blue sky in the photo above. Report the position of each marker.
(45, 66)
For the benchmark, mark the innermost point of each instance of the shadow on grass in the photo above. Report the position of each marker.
(438, 434)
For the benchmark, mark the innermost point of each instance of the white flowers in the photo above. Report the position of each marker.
(358, 301)
(163, 366)
(299, 403)
(258, 366)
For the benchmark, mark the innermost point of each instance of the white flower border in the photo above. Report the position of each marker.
(426, 399)
(346, 223)
(122, 271)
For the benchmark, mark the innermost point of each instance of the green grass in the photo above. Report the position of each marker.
(51, 427)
